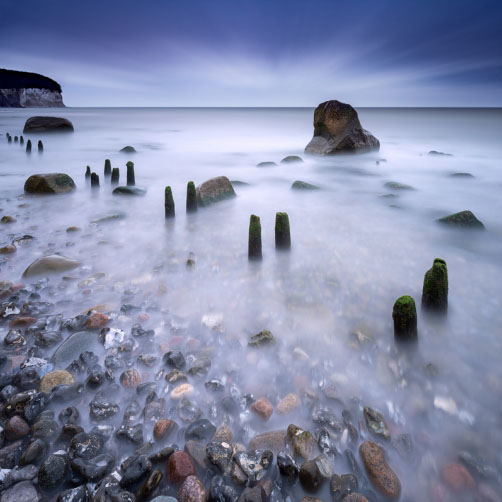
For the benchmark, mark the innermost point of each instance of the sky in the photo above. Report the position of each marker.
(259, 52)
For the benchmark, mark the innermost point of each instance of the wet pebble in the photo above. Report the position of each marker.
(263, 408)
(179, 467)
(192, 490)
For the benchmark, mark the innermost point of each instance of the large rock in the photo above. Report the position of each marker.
(47, 124)
(49, 183)
(214, 190)
(463, 219)
(337, 130)
(53, 263)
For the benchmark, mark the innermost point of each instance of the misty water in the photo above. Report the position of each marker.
(356, 247)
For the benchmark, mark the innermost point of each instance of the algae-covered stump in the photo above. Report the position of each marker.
(108, 167)
(169, 203)
(28, 146)
(130, 174)
(21, 140)
(40, 146)
(282, 233)
(87, 172)
(404, 315)
(16, 139)
(115, 176)
(94, 180)
(254, 245)
(435, 290)
(191, 197)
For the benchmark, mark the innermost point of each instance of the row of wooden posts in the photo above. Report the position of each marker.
(28, 143)
(113, 174)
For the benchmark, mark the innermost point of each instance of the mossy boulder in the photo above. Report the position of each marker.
(404, 315)
(261, 339)
(462, 219)
(51, 183)
(435, 290)
(128, 149)
(214, 190)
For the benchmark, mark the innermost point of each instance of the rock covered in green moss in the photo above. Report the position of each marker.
(404, 315)
(262, 338)
(254, 244)
(50, 183)
(462, 219)
(435, 290)
(131, 181)
(282, 232)
(128, 149)
(191, 197)
(169, 203)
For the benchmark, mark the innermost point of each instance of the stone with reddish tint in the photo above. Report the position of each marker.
(21, 322)
(263, 407)
(383, 478)
(130, 378)
(16, 428)
(192, 490)
(143, 316)
(288, 403)
(97, 321)
(457, 478)
(162, 428)
(355, 497)
(179, 467)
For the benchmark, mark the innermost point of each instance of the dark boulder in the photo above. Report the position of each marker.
(214, 190)
(49, 183)
(337, 130)
(463, 219)
(47, 124)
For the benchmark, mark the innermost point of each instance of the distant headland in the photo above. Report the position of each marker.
(20, 89)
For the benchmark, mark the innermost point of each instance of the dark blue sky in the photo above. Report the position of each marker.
(260, 52)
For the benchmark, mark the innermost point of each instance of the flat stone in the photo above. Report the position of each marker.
(274, 441)
(50, 264)
(129, 191)
(55, 378)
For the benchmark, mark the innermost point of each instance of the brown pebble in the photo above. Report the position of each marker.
(263, 407)
(457, 478)
(8, 249)
(288, 403)
(179, 467)
(383, 478)
(162, 428)
(97, 321)
(16, 428)
(143, 316)
(192, 490)
(21, 322)
(130, 378)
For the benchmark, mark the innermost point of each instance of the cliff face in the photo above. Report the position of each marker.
(22, 89)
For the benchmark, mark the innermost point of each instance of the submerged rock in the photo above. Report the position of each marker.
(382, 477)
(302, 441)
(128, 149)
(263, 338)
(291, 159)
(266, 164)
(314, 472)
(49, 183)
(463, 219)
(439, 154)
(214, 190)
(50, 264)
(129, 190)
(337, 129)
(55, 378)
(303, 185)
(47, 124)
(376, 423)
(394, 185)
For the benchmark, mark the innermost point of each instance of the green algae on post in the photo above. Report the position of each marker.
(191, 197)
(115, 176)
(108, 167)
(94, 180)
(254, 244)
(88, 172)
(435, 290)
(169, 203)
(130, 174)
(282, 233)
(404, 315)
(28, 146)
(40, 146)
(21, 140)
